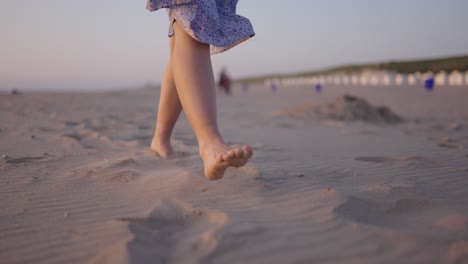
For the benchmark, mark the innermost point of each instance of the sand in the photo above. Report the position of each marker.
(346, 108)
(78, 184)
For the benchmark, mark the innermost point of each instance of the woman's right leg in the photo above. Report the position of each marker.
(194, 81)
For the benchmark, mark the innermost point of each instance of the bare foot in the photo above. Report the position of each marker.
(163, 149)
(217, 158)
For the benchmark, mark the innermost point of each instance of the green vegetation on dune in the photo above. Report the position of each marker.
(449, 64)
(437, 65)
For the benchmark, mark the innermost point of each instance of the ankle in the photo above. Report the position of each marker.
(160, 141)
(209, 143)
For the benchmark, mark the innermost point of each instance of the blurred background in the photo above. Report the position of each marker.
(100, 45)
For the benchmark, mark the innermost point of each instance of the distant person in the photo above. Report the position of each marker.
(188, 82)
(224, 81)
(15, 91)
(273, 86)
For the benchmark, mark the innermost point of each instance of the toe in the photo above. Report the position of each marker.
(239, 153)
(231, 154)
(247, 151)
(224, 157)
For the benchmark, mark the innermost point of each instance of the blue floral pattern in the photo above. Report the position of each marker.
(213, 22)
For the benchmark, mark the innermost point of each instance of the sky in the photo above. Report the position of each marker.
(105, 44)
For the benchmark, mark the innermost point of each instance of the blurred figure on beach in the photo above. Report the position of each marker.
(189, 83)
(224, 81)
(245, 87)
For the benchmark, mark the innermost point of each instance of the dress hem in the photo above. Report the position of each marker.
(214, 49)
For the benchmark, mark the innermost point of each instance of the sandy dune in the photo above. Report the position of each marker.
(78, 184)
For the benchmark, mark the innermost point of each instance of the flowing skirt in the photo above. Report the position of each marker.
(213, 22)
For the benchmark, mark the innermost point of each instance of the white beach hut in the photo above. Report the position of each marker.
(426, 76)
(374, 78)
(455, 78)
(364, 79)
(293, 81)
(324, 79)
(419, 78)
(289, 81)
(321, 79)
(388, 78)
(441, 78)
(312, 80)
(355, 79)
(401, 79)
(345, 80)
(336, 79)
(411, 79)
(299, 81)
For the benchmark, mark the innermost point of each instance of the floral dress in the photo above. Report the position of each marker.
(213, 22)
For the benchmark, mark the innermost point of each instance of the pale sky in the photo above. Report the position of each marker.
(93, 45)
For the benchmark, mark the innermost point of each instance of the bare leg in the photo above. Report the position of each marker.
(193, 75)
(168, 112)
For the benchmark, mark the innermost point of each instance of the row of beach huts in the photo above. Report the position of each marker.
(375, 78)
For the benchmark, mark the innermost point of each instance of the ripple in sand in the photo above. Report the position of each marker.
(29, 159)
(451, 126)
(402, 161)
(71, 124)
(75, 136)
(452, 142)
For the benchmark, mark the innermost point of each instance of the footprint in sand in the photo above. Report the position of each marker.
(120, 171)
(85, 138)
(388, 212)
(174, 232)
(124, 169)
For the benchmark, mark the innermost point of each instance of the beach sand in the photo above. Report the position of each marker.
(78, 183)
